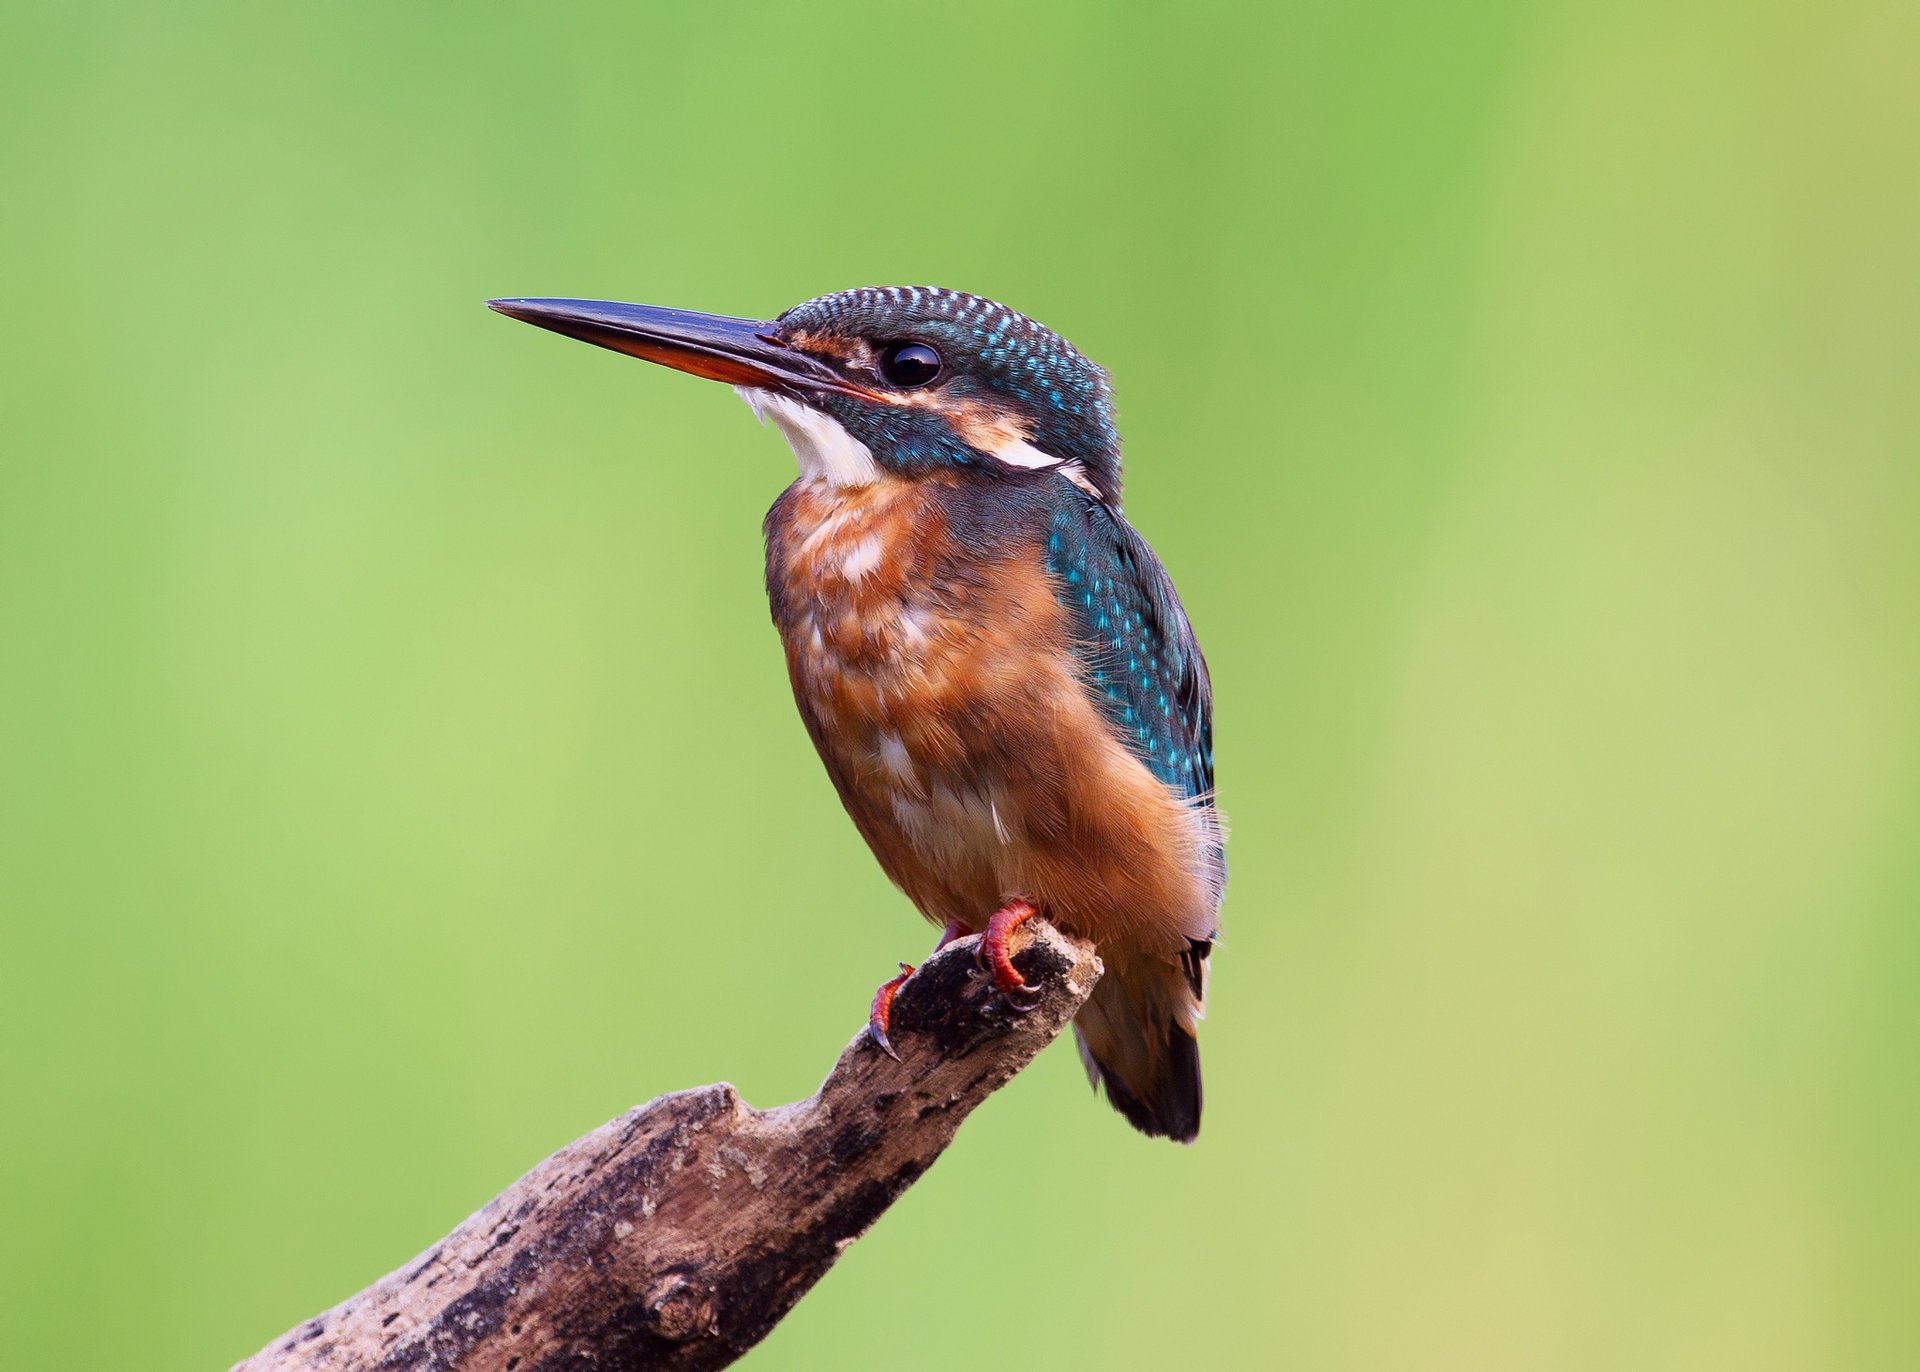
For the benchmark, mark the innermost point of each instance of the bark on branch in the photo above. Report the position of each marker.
(679, 1234)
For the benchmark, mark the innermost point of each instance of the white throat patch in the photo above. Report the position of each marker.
(820, 443)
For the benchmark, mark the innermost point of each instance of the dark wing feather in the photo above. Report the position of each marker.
(1142, 667)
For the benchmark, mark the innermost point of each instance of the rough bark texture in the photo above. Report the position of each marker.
(679, 1234)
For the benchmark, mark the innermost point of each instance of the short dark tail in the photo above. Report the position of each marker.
(1136, 1041)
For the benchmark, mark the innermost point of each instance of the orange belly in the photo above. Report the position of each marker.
(947, 702)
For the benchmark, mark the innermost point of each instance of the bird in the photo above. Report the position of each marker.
(993, 665)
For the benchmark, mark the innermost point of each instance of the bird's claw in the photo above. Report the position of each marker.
(881, 1013)
(1020, 999)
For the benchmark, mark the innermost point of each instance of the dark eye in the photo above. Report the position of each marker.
(908, 365)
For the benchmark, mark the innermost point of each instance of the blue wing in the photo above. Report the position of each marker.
(1142, 661)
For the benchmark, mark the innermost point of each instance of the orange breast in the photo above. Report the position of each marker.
(946, 700)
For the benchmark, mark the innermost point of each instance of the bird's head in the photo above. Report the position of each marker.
(910, 381)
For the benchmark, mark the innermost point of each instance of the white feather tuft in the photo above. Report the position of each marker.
(820, 443)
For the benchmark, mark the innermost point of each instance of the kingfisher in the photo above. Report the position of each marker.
(994, 666)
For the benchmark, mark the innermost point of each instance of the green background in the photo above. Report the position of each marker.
(400, 777)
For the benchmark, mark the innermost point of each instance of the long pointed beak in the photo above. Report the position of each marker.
(740, 352)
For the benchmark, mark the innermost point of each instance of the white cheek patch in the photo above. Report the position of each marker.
(1020, 453)
(820, 443)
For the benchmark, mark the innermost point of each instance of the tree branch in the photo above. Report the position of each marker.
(679, 1234)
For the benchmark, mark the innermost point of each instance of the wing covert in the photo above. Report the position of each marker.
(1142, 661)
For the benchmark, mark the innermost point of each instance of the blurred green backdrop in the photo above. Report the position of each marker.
(400, 776)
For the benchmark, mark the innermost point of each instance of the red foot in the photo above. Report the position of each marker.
(880, 1015)
(993, 947)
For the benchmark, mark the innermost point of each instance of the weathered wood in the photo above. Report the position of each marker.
(679, 1234)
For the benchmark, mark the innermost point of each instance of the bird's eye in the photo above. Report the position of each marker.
(907, 365)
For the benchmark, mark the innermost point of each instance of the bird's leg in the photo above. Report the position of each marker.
(881, 1012)
(998, 960)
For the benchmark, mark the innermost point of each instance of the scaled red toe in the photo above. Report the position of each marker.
(881, 1013)
(995, 954)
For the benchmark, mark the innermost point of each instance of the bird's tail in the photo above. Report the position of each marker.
(1136, 1037)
